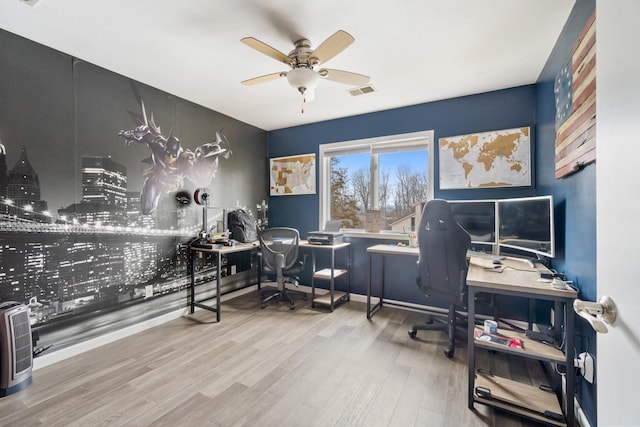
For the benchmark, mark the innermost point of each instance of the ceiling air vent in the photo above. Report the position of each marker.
(362, 90)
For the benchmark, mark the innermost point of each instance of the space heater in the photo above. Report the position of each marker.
(16, 353)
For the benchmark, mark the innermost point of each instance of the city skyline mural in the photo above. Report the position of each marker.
(90, 220)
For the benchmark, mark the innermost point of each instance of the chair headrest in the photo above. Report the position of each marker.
(437, 215)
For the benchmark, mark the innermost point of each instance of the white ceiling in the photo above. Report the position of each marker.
(414, 50)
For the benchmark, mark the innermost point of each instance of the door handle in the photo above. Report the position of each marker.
(597, 313)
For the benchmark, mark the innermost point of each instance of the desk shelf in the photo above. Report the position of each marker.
(531, 348)
(519, 398)
(523, 399)
(325, 299)
(325, 273)
(330, 274)
(338, 297)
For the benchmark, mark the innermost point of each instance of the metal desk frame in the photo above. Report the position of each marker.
(383, 250)
(518, 279)
(334, 297)
(218, 251)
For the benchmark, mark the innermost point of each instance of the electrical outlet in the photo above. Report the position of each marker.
(148, 291)
(584, 362)
(233, 269)
(588, 367)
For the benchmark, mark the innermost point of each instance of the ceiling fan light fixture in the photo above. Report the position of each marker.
(305, 80)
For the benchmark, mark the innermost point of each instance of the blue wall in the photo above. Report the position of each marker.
(502, 109)
(574, 196)
(534, 105)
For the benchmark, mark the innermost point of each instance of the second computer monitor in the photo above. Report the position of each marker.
(478, 218)
(526, 224)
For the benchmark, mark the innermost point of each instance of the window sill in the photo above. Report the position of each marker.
(386, 235)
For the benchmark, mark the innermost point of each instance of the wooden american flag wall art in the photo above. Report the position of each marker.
(575, 95)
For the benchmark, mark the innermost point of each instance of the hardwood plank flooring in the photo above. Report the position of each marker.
(266, 367)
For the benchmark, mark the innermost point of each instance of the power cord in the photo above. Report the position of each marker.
(39, 350)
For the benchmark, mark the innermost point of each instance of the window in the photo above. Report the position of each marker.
(392, 174)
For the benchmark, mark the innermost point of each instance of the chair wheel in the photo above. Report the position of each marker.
(291, 307)
(263, 305)
(412, 333)
(448, 352)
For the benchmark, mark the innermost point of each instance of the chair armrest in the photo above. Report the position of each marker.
(304, 259)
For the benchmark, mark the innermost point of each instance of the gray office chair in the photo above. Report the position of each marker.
(279, 261)
(442, 267)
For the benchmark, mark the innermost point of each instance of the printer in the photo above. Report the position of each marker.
(329, 236)
(324, 237)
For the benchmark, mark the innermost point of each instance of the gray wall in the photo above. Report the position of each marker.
(61, 108)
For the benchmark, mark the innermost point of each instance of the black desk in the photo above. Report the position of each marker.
(217, 250)
(330, 274)
(516, 278)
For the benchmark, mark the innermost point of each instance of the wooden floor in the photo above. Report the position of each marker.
(269, 367)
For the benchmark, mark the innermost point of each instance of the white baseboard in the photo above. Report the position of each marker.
(67, 352)
(581, 418)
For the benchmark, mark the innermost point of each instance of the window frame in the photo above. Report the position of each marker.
(383, 144)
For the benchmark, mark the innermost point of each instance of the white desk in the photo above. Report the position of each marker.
(383, 250)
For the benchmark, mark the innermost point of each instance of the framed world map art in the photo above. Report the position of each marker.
(500, 158)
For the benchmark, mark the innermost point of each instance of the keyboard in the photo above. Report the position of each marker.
(491, 256)
(207, 245)
(486, 255)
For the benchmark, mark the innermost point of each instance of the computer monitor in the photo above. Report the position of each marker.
(478, 218)
(526, 224)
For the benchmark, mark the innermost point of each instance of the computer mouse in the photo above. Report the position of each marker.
(497, 262)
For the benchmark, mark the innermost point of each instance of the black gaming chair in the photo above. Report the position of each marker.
(442, 267)
(279, 260)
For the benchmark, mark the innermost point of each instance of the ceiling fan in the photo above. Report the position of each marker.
(305, 73)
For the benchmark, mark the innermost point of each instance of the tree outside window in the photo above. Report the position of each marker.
(391, 174)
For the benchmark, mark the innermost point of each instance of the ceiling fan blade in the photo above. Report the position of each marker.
(332, 46)
(264, 79)
(346, 77)
(266, 49)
